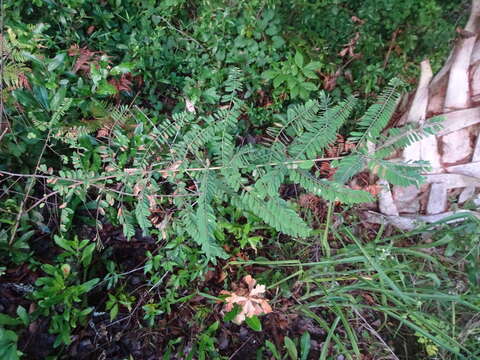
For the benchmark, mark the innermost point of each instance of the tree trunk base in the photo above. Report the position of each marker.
(454, 153)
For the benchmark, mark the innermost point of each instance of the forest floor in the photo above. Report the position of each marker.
(110, 249)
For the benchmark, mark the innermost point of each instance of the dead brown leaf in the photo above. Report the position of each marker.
(349, 48)
(171, 169)
(251, 300)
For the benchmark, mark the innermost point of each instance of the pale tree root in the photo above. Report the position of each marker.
(454, 153)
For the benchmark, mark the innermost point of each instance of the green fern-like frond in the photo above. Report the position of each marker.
(214, 127)
(399, 173)
(329, 190)
(269, 183)
(232, 170)
(377, 116)
(298, 117)
(274, 212)
(348, 167)
(226, 123)
(142, 212)
(400, 138)
(125, 219)
(120, 115)
(194, 140)
(12, 73)
(12, 49)
(233, 85)
(321, 132)
(59, 113)
(205, 218)
(168, 130)
(13, 62)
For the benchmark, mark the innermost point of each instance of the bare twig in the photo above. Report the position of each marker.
(27, 194)
(374, 333)
(240, 347)
(391, 47)
(181, 32)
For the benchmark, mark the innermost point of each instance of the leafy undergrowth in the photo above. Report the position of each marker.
(377, 294)
(174, 184)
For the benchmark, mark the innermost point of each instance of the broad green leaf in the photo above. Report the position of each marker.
(34, 59)
(87, 286)
(269, 74)
(291, 348)
(313, 66)
(122, 68)
(106, 89)
(294, 91)
(309, 86)
(25, 98)
(214, 327)
(56, 62)
(40, 93)
(254, 323)
(58, 98)
(23, 315)
(8, 320)
(299, 59)
(87, 255)
(305, 345)
(309, 74)
(279, 80)
(114, 312)
(64, 244)
(229, 316)
(273, 350)
(26, 236)
(278, 41)
(95, 74)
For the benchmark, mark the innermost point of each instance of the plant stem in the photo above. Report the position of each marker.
(325, 244)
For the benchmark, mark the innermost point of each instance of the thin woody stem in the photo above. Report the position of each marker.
(91, 181)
